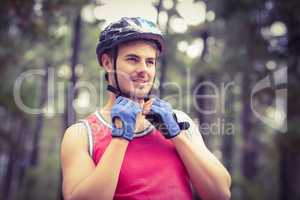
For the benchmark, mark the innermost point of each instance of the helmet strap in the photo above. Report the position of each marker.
(115, 57)
(116, 89)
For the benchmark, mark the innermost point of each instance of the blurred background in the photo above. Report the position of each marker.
(226, 65)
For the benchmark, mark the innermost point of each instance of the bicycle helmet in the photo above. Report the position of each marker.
(127, 29)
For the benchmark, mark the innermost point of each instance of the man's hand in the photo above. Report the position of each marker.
(123, 115)
(168, 124)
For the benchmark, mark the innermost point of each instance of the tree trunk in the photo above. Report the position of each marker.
(228, 137)
(249, 154)
(201, 103)
(201, 91)
(289, 164)
(70, 115)
(39, 119)
(289, 150)
(11, 180)
(164, 61)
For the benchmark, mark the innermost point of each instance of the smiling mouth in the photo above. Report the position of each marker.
(140, 81)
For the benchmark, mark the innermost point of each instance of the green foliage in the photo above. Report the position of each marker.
(34, 34)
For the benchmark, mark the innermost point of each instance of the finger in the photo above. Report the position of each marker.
(132, 105)
(141, 102)
(161, 103)
(147, 106)
(123, 101)
(119, 99)
(139, 121)
(158, 102)
(156, 109)
(139, 116)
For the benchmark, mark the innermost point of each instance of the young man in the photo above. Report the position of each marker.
(116, 153)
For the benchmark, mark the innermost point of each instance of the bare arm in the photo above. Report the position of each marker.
(81, 178)
(209, 177)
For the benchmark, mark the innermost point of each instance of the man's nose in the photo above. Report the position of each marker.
(142, 67)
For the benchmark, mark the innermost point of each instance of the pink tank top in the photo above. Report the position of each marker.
(151, 168)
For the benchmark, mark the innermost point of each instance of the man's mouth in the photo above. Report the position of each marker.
(141, 81)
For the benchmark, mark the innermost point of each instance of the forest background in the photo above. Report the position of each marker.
(232, 65)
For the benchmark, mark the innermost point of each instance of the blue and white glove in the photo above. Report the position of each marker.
(125, 110)
(166, 119)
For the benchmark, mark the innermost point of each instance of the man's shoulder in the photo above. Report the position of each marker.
(75, 136)
(76, 128)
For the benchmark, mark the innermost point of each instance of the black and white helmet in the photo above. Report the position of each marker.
(127, 29)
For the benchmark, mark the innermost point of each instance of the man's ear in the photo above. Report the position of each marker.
(106, 61)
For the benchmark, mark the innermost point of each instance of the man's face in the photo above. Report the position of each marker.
(136, 68)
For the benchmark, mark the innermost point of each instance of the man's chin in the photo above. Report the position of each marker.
(139, 93)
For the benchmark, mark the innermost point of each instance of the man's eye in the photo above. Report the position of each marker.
(132, 60)
(150, 62)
